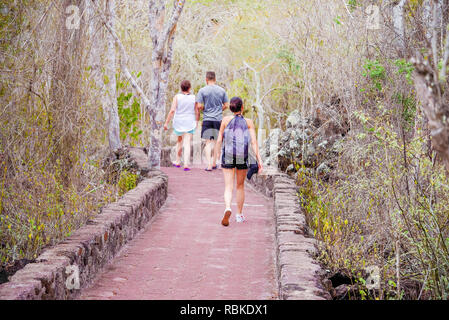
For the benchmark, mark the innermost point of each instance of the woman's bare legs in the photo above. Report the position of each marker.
(229, 186)
(178, 150)
(241, 175)
(187, 137)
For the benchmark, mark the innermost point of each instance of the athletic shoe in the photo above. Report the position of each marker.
(177, 165)
(227, 215)
(239, 218)
(186, 169)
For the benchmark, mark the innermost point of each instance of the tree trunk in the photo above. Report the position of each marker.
(111, 69)
(162, 35)
(258, 105)
(261, 131)
(398, 21)
(66, 82)
(437, 113)
(96, 42)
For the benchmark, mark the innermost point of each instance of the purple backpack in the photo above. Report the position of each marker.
(236, 141)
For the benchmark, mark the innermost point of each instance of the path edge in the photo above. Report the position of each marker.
(298, 274)
(54, 274)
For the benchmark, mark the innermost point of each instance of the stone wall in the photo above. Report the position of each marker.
(297, 272)
(90, 248)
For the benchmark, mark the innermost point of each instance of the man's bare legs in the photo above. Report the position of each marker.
(210, 156)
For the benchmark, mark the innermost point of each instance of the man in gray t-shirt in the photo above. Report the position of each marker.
(212, 100)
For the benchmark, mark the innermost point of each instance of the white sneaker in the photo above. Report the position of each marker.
(239, 218)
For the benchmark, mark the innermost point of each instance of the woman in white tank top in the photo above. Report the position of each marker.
(184, 123)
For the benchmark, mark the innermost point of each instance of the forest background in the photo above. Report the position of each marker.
(73, 89)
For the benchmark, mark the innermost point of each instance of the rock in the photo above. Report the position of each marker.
(311, 141)
(290, 169)
(341, 292)
(293, 119)
(323, 169)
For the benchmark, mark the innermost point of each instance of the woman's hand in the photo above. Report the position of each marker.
(165, 127)
(259, 162)
(260, 167)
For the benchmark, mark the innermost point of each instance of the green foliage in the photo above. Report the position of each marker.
(129, 111)
(374, 71)
(387, 190)
(353, 4)
(43, 213)
(337, 20)
(406, 68)
(239, 88)
(408, 104)
(126, 182)
(288, 58)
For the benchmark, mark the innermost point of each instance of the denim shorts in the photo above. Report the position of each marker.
(181, 133)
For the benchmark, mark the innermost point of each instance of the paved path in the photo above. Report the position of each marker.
(185, 253)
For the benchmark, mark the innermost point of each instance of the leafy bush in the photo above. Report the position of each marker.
(129, 114)
(126, 182)
(40, 210)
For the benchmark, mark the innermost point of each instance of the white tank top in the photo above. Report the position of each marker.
(184, 119)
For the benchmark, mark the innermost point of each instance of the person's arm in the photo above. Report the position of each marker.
(225, 101)
(198, 108)
(254, 144)
(171, 113)
(199, 105)
(220, 139)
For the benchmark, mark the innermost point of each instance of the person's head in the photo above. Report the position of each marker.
(236, 104)
(210, 77)
(185, 86)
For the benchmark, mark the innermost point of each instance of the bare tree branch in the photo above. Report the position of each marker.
(437, 113)
(124, 61)
(445, 58)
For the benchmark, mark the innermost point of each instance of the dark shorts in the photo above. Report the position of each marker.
(210, 130)
(242, 166)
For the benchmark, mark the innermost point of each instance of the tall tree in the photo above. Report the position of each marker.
(105, 81)
(111, 69)
(429, 84)
(66, 83)
(162, 35)
(398, 21)
(259, 97)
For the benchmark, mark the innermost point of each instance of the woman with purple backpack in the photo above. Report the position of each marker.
(236, 133)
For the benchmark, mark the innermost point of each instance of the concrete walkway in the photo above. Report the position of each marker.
(185, 253)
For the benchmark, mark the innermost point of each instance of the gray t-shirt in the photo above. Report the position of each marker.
(212, 97)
